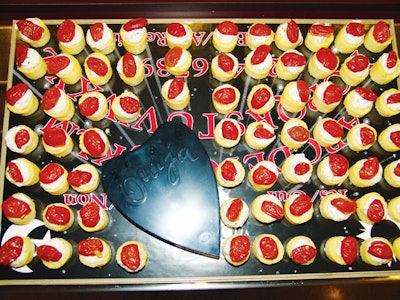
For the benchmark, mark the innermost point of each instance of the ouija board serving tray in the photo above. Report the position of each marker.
(173, 260)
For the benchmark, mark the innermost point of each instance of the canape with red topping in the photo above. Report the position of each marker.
(323, 63)
(130, 69)
(21, 139)
(290, 65)
(388, 103)
(372, 208)
(319, 36)
(297, 168)
(391, 173)
(225, 98)
(359, 101)
(225, 36)
(176, 94)
(131, 256)
(66, 67)
(17, 252)
(126, 107)
(98, 68)
(378, 37)
(333, 169)
(236, 249)
(295, 133)
(57, 142)
(33, 31)
(22, 172)
(259, 34)
(261, 99)
(350, 37)
(93, 106)
(361, 137)
(258, 62)
(366, 172)
(354, 69)
(234, 213)
(376, 251)
(342, 250)
(57, 104)
(298, 208)
(20, 100)
(337, 207)
(295, 96)
(94, 142)
(58, 217)
(227, 133)
(84, 178)
(267, 209)
(71, 38)
(268, 249)
(178, 34)
(328, 132)
(19, 208)
(229, 173)
(288, 36)
(94, 252)
(224, 67)
(54, 253)
(177, 61)
(134, 35)
(301, 250)
(394, 209)
(92, 218)
(30, 62)
(263, 175)
(259, 135)
(53, 178)
(327, 96)
(389, 138)
(100, 38)
(386, 68)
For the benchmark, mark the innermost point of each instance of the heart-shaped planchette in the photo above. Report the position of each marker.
(167, 188)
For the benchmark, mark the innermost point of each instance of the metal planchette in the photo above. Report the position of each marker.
(168, 189)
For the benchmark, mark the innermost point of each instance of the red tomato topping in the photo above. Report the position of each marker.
(272, 209)
(268, 247)
(14, 172)
(292, 31)
(333, 94)
(358, 63)
(264, 176)
(21, 53)
(338, 164)
(263, 133)
(367, 136)
(225, 62)
(380, 249)
(396, 170)
(327, 58)
(345, 206)
(349, 249)
(21, 138)
(395, 138)
(355, 28)
(176, 29)
(96, 31)
(301, 168)
(90, 214)
(228, 170)
(50, 98)
(176, 87)
(225, 95)
(381, 32)
(376, 211)
(299, 133)
(366, 93)
(370, 168)
(97, 66)
(58, 215)
(90, 247)
(50, 173)
(230, 130)
(172, 56)
(293, 59)
(240, 248)
(304, 91)
(391, 59)
(260, 29)
(30, 29)
(48, 253)
(234, 210)
(11, 250)
(15, 93)
(303, 254)
(94, 143)
(66, 31)
(129, 104)
(57, 64)
(135, 24)
(321, 30)
(130, 256)
(260, 98)
(15, 208)
(260, 54)
(333, 128)
(89, 106)
(393, 99)
(129, 67)
(55, 137)
(78, 177)
(228, 27)
(300, 205)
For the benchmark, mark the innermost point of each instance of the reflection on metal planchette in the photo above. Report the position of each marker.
(167, 188)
